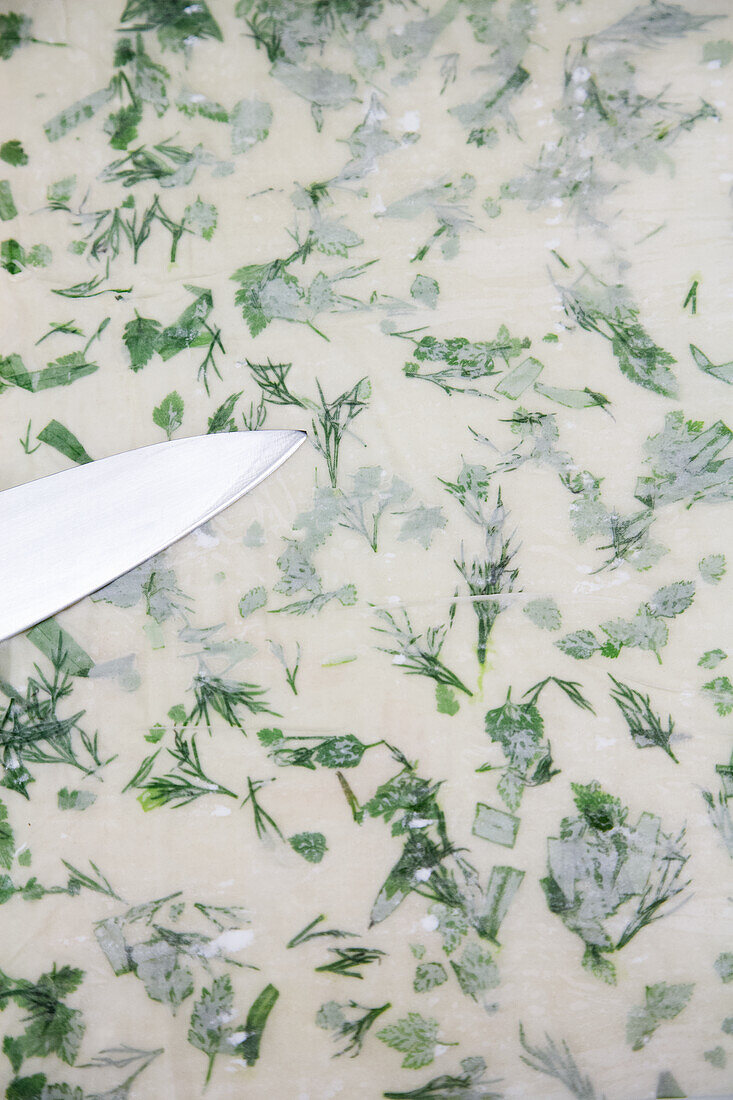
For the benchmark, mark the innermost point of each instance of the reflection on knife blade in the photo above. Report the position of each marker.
(69, 534)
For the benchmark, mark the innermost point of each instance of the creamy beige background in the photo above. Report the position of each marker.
(209, 850)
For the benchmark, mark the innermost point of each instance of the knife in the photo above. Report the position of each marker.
(65, 536)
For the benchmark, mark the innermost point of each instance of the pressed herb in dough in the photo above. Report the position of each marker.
(409, 775)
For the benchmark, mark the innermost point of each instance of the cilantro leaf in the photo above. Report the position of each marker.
(544, 613)
(122, 125)
(340, 752)
(712, 568)
(311, 846)
(168, 415)
(251, 601)
(177, 23)
(712, 658)
(581, 644)
(421, 523)
(51, 1027)
(156, 964)
(200, 218)
(476, 971)
(672, 599)
(142, 339)
(720, 692)
(428, 976)
(519, 729)
(254, 279)
(210, 1031)
(414, 1036)
(320, 86)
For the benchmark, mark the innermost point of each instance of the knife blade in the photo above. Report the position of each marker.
(65, 536)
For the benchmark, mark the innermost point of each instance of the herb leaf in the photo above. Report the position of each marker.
(210, 1031)
(662, 1002)
(142, 339)
(415, 1036)
(311, 846)
(169, 414)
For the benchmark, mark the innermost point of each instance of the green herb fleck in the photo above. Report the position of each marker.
(169, 414)
(544, 613)
(8, 209)
(720, 692)
(712, 568)
(75, 800)
(311, 846)
(429, 976)
(59, 437)
(348, 1021)
(662, 1002)
(495, 825)
(414, 1036)
(12, 152)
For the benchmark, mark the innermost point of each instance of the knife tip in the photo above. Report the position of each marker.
(288, 440)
